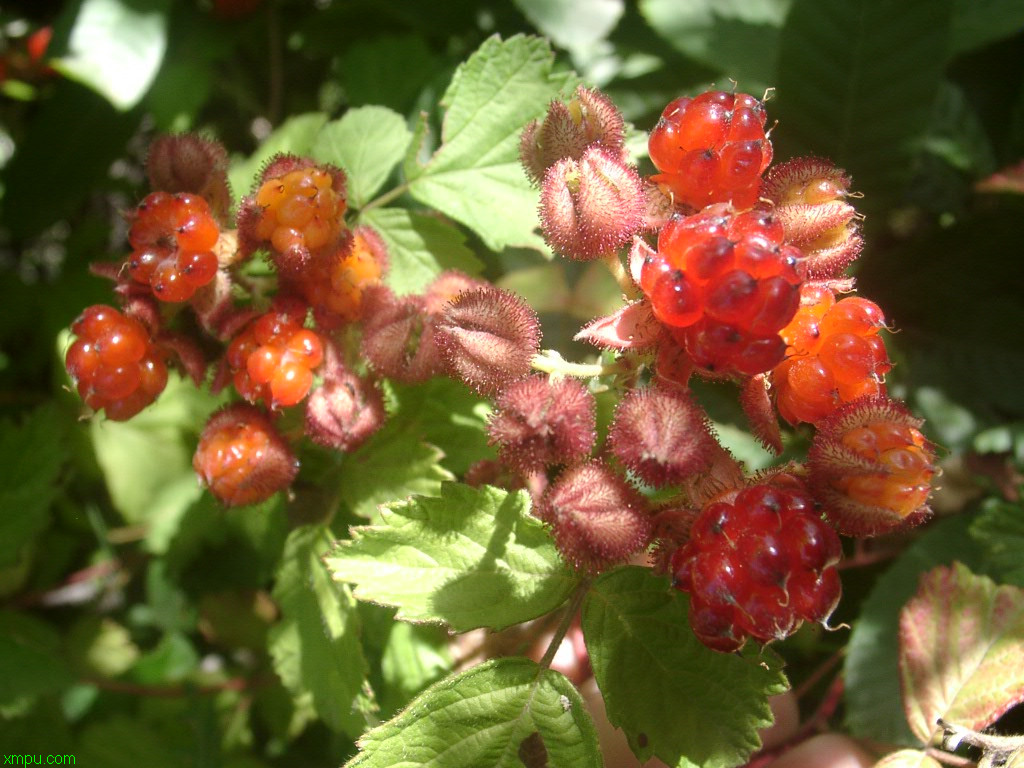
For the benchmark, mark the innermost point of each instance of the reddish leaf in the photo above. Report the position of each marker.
(908, 758)
(632, 327)
(961, 650)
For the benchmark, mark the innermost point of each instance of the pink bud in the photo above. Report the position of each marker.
(597, 518)
(188, 162)
(345, 410)
(661, 435)
(591, 207)
(398, 336)
(569, 128)
(540, 422)
(488, 337)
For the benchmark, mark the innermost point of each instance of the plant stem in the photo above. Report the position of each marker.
(549, 361)
(386, 198)
(622, 277)
(563, 627)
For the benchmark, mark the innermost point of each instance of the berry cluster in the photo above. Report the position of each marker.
(725, 284)
(172, 237)
(711, 148)
(834, 356)
(757, 563)
(274, 357)
(114, 363)
(300, 210)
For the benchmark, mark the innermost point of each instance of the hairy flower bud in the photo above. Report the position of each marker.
(568, 129)
(445, 287)
(661, 435)
(488, 337)
(399, 336)
(540, 422)
(810, 200)
(871, 468)
(242, 458)
(345, 410)
(187, 162)
(592, 206)
(597, 518)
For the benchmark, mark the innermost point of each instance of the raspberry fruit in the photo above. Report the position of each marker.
(711, 149)
(871, 467)
(241, 458)
(334, 284)
(172, 238)
(834, 356)
(115, 365)
(273, 358)
(301, 210)
(724, 285)
(758, 562)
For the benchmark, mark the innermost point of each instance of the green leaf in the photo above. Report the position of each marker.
(100, 646)
(122, 742)
(315, 646)
(739, 38)
(389, 70)
(980, 22)
(674, 698)
(30, 660)
(573, 24)
(474, 557)
(420, 247)
(857, 82)
(445, 413)
(999, 529)
(31, 457)
(172, 660)
(873, 697)
(116, 48)
(961, 651)
(475, 176)
(491, 715)
(393, 464)
(295, 135)
(415, 656)
(146, 460)
(368, 143)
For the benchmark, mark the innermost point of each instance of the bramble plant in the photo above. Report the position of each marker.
(504, 421)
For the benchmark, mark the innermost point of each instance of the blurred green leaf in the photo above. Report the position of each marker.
(673, 697)
(388, 69)
(420, 247)
(368, 143)
(475, 176)
(124, 742)
(31, 457)
(874, 708)
(414, 657)
(116, 48)
(30, 659)
(172, 660)
(573, 24)
(857, 83)
(490, 715)
(999, 530)
(474, 557)
(101, 646)
(980, 22)
(738, 38)
(315, 645)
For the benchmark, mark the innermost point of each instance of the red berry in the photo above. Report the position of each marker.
(241, 458)
(711, 148)
(115, 365)
(173, 237)
(273, 358)
(759, 561)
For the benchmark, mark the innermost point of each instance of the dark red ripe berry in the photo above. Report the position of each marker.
(173, 237)
(115, 365)
(711, 149)
(759, 562)
(725, 285)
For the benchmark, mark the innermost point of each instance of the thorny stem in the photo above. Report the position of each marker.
(563, 627)
(549, 361)
(386, 198)
(622, 277)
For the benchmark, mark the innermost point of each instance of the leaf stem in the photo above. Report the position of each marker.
(622, 277)
(563, 627)
(550, 361)
(386, 198)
